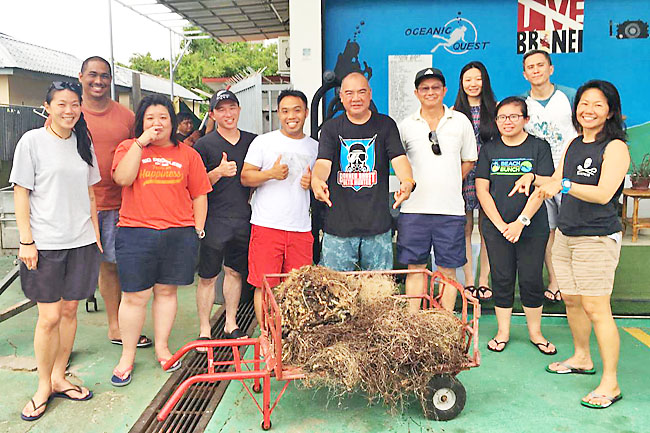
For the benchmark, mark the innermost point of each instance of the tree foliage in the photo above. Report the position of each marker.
(208, 58)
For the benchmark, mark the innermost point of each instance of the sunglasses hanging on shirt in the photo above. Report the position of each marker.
(435, 144)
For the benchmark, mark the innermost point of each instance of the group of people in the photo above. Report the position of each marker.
(115, 199)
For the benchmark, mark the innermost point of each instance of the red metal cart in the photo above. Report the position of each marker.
(445, 397)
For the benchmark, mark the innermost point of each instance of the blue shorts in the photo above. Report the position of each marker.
(368, 253)
(107, 231)
(146, 256)
(417, 233)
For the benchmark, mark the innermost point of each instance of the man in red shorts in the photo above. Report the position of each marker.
(278, 164)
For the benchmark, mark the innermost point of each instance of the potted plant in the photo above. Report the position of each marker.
(640, 176)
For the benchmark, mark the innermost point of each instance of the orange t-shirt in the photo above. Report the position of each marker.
(161, 195)
(108, 129)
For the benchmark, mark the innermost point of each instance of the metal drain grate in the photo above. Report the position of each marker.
(195, 408)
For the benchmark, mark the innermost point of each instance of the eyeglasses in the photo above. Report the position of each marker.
(66, 85)
(435, 144)
(513, 117)
(425, 89)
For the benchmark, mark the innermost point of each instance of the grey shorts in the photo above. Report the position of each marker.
(107, 230)
(553, 210)
(70, 275)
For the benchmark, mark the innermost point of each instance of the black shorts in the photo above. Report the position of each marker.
(69, 274)
(228, 244)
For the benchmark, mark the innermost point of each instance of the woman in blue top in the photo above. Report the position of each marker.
(588, 238)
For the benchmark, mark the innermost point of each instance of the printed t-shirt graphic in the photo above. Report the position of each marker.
(511, 166)
(161, 195)
(357, 163)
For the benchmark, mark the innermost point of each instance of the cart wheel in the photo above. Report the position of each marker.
(444, 398)
(257, 388)
(265, 427)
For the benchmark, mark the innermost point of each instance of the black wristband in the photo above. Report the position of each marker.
(27, 243)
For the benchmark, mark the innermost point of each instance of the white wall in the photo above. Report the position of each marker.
(306, 47)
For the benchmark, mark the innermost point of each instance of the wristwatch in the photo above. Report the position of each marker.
(566, 185)
(200, 233)
(524, 220)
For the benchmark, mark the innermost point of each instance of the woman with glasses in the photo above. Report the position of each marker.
(516, 227)
(53, 171)
(588, 238)
(164, 205)
(476, 100)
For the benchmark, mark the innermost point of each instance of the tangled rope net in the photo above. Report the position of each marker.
(351, 333)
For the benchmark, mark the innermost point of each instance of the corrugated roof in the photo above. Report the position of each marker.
(230, 20)
(22, 55)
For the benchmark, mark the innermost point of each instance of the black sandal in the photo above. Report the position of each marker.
(554, 296)
(496, 348)
(481, 291)
(547, 345)
(471, 291)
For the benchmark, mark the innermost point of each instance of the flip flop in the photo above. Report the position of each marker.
(175, 366)
(471, 291)
(496, 349)
(234, 334)
(202, 349)
(611, 400)
(35, 417)
(547, 345)
(143, 341)
(554, 296)
(121, 378)
(64, 394)
(481, 290)
(569, 369)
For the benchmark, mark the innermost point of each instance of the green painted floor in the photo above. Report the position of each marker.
(509, 392)
(111, 409)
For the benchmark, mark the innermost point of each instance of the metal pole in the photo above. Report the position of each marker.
(112, 59)
(171, 67)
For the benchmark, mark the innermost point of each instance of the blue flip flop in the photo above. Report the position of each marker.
(35, 417)
(64, 394)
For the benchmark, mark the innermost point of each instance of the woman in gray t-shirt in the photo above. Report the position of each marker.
(53, 172)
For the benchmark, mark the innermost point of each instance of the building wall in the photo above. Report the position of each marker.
(365, 34)
(27, 90)
(306, 47)
(4, 89)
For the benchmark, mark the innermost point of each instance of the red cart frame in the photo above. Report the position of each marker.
(267, 348)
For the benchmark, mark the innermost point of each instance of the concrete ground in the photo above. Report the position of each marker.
(509, 392)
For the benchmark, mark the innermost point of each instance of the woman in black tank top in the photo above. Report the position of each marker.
(588, 241)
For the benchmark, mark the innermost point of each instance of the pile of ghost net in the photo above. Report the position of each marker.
(351, 333)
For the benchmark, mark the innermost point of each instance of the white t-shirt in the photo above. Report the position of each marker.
(282, 204)
(58, 180)
(550, 120)
(439, 178)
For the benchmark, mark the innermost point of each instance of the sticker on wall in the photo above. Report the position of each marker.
(549, 25)
(457, 36)
(630, 29)
(348, 60)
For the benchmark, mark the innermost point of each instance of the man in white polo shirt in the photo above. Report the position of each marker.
(441, 147)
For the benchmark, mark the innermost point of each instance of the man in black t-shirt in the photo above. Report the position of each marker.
(351, 177)
(227, 228)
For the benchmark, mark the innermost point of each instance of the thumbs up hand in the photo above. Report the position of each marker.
(226, 168)
(279, 171)
(305, 180)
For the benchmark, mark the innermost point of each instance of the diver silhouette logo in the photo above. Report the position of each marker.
(462, 37)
